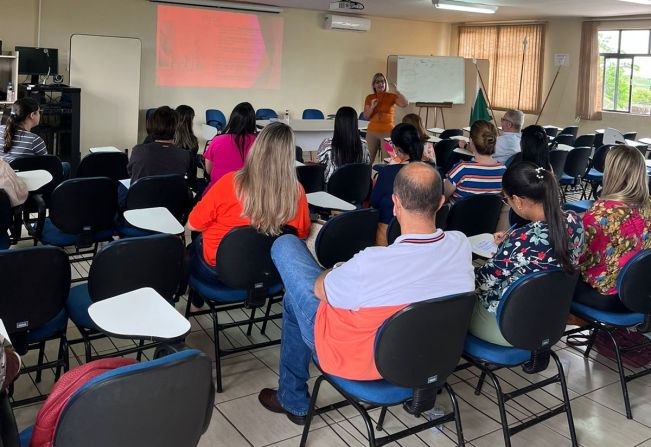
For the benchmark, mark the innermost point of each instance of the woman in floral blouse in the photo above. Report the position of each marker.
(551, 239)
(617, 227)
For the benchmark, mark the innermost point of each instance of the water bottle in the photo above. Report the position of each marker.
(10, 92)
(287, 116)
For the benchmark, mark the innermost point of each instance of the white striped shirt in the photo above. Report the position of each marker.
(23, 144)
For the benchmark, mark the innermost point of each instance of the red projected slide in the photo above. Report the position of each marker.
(205, 48)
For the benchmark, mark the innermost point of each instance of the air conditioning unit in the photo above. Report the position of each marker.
(333, 21)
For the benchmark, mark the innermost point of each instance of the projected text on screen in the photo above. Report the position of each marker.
(205, 48)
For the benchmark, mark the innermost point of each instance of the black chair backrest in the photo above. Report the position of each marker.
(5, 213)
(572, 130)
(420, 346)
(104, 164)
(598, 140)
(442, 217)
(565, 138)
(393, 231)
(475, 214)
(557, 159)
(599, 157)
(444, 154)
(534, 309)
(448, 133)
(167, 191)
(82, 205)
(346, 234)
(351, 182)
(244, 260)
(629, 135)
(49, 163)
(633, 283)
(124, 265)
(149, 403)
(577, 161)
(584, 140)
(551, 131)
(28, 301)
(311, 177)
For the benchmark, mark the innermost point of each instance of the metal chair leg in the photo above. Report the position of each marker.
(591, 340)
(457, 415)
(622, 376)
(380, 422)
(566, 398)
(218, 363)
(141, 343)
(266, 316)
(250, 327)
(500, 405)
(480, 383)
(39, 364)
(310, 411)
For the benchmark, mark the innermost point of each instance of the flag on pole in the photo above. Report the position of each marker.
(480, 110)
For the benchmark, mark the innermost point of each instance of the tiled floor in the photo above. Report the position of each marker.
(239, 420)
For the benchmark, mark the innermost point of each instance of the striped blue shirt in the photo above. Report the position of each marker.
(23, 144)
(470, 178)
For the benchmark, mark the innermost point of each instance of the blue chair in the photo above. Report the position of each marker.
(247, 279)
(216, 119)
(634, 289)
(576, 166)
(578, 206)
(415, 351)
(32, 308)
(124, 265)
(82, 213)
(167, 191)
(265, 114)
(313, 114)
(531, 316)
(149, 113)
(167, 402)
(345, 235)
(595, 175)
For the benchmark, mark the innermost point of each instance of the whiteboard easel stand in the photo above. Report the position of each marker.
(437, 106)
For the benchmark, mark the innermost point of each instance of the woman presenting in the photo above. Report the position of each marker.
(378, 110)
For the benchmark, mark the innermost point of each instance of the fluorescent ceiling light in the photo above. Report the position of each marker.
(639, 2)
(466, 7)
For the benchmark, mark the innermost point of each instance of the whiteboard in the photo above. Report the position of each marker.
(429, 78)
(107, 69)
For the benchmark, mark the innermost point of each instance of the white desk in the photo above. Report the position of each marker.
(460, 137)
(483, 245)
(564, 147)
(324, 200)
(157, 219)
(208, 132)
(549, 126)
(126, 182)
(310, 133)
(645, 140)
(298, 163)
(467, 129)
(141, 313)
(35, 179)
(96, 150)
(461, 151)
(436, 130)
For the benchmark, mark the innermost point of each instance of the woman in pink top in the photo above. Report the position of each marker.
(227, 152)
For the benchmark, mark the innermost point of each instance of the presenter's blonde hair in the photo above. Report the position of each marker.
(625, 176)
(267, 186)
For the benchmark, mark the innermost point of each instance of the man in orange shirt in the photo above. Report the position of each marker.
(334, 315)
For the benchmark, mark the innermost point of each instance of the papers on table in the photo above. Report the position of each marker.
(436, 130)
(325, 200)
(461, 151)
(157, 219)
(95, 150)
(35, 179)
(483, 245)
(141, 313)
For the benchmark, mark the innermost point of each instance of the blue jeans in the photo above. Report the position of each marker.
(299, 271)
(200, 268)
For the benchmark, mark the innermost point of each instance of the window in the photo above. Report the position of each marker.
(502, 45)
(625, 70)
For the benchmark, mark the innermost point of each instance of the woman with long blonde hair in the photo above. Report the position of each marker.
(264, 194)
(617, 227)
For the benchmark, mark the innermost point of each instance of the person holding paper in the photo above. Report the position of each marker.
(379, 108)
(551, 239)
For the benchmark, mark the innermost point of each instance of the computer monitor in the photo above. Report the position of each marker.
(38, 61)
